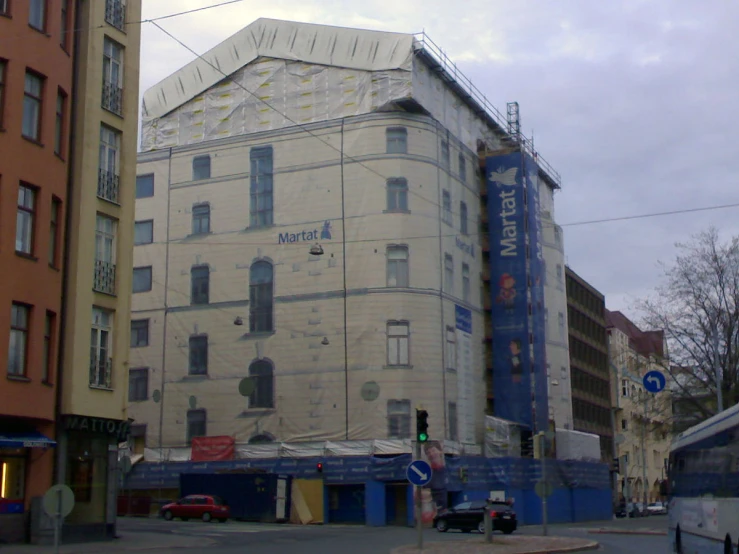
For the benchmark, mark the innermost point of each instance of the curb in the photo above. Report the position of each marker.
(592, 545)
(626, 532)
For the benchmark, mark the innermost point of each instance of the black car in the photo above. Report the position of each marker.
(469, 516)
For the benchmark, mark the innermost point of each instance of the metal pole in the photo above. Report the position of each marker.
(419, 525)
(58, 521)
(644, 450)
(542, 449)
(717, 371)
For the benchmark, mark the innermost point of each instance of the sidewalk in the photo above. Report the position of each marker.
(130, 542)
(520, 544)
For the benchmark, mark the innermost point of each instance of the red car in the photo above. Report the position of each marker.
(200, 506)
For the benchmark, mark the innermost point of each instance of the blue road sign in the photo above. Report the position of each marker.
(419, 473)
(654, 381)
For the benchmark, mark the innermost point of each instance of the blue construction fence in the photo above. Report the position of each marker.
(364, 489)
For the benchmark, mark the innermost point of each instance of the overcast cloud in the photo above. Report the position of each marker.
(633, 102)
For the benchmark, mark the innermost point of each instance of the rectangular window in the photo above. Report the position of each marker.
(453, 422)
(32, 98)
(199, 284)
(138, 384)
(37, 14)
(200, 219)
(445, 157)
(448, 273)
(196, 424)
(624, 387)
(398, 352)
(47, 369)
(446, 207)
(112, 99)
(198, 355)
(397, 140)
(56, 211)
(398, 419)
(463, 218)
(64, 30)
(18, 348)
(105, 254)
(3, 66)
(462, 168)
(397, 195)
(466, 282)
(61, 101)
(139, 333)
(14, 468)
(260, 209)
(142, 279)
(101, 363)
(451, 349)
(25, 223)
(115, 13)
(624, 425)
(201, 167)
(143, 232)
(108, 177)
(397, 266)
(145, 185)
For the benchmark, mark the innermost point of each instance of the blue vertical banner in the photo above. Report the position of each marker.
(536, 319)
(508, 284)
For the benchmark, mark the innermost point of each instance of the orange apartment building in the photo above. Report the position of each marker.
(68, 125)
(36, 75)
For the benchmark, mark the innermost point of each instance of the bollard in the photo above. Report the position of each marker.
(488, 524)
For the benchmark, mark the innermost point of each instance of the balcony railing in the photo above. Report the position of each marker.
(104, 279)
(101, 372)
(112, 98)
(115, 13)
(108, 185)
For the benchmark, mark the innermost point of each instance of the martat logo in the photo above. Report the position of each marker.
(306, 235)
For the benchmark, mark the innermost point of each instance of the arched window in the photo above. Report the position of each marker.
(261, 298)
(262, 376)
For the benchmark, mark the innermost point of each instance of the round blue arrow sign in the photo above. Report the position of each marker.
(654, 381)
(419, 473)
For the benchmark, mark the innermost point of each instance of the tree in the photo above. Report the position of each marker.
(697, 306)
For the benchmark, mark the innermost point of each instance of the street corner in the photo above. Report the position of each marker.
(617, 531)
(521, 544)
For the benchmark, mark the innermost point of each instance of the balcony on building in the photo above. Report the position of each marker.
(104, 278)
(108, 186)
(112, 99)
(115, 13)
(101, 372)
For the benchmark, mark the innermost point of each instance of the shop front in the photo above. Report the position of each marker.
(26, 466)
(88, 462)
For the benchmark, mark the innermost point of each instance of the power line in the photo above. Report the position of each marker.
(648, 215)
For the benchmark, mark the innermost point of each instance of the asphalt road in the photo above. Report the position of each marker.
(256, 538)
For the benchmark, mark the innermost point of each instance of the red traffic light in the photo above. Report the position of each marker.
(319, 467)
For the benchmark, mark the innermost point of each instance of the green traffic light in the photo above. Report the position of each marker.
(423, 437)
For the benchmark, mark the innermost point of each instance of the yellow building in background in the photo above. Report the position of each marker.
(643, 421)
(98, 264)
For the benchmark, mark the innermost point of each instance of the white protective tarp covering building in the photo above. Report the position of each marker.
(576, 445)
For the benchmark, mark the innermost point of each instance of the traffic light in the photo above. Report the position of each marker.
(538, 439)
(617, 465)
(422, 426)
(319, 467)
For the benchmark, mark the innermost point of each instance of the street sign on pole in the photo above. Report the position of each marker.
(58, 503)
(543, 489)
(419, 473)
(654, 381)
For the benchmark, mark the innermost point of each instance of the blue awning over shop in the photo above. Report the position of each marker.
(25, 440)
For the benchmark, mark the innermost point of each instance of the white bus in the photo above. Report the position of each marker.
(704, 487)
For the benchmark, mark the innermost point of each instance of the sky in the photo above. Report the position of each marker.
(632, 102)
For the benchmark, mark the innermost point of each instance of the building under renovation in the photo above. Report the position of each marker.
(310, 266)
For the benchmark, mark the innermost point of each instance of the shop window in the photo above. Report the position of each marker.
(12, 474)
